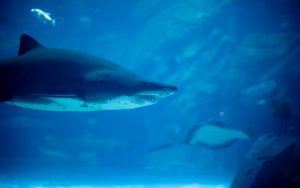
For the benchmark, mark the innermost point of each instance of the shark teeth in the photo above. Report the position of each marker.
(148, 98)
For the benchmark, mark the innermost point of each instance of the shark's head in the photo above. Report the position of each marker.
(148, 92)
(124, 91)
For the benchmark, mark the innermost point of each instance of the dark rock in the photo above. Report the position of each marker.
(271, 159)
(281, 171)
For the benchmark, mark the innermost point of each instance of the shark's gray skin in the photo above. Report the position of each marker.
(65, 80)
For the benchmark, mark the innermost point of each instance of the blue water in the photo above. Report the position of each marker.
(213, 50)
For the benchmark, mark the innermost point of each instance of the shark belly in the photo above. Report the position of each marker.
(123, 102)
(53, 104)
(77, 104)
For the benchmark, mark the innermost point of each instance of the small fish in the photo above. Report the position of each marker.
(214, 135)
(44, 16)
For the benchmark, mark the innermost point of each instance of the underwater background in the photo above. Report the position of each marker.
(233, 61)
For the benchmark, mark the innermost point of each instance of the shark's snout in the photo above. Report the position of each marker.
(170, 90)
(167, 90)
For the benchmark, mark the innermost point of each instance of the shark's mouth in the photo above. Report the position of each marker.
(146, 98)
(151, 97)
(155, 94)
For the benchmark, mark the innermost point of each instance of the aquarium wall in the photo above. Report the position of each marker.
(194, 93)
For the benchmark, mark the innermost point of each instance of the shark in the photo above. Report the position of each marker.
(56, 79)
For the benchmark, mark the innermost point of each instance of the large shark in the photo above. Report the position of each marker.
(65, 80)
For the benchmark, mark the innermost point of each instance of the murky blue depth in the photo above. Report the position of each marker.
(235, 62)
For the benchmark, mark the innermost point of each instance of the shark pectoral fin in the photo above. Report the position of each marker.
(27, 44)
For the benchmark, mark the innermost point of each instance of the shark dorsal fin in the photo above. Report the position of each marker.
(27, 43)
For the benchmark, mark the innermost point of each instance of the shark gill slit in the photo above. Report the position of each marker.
(90, 94)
